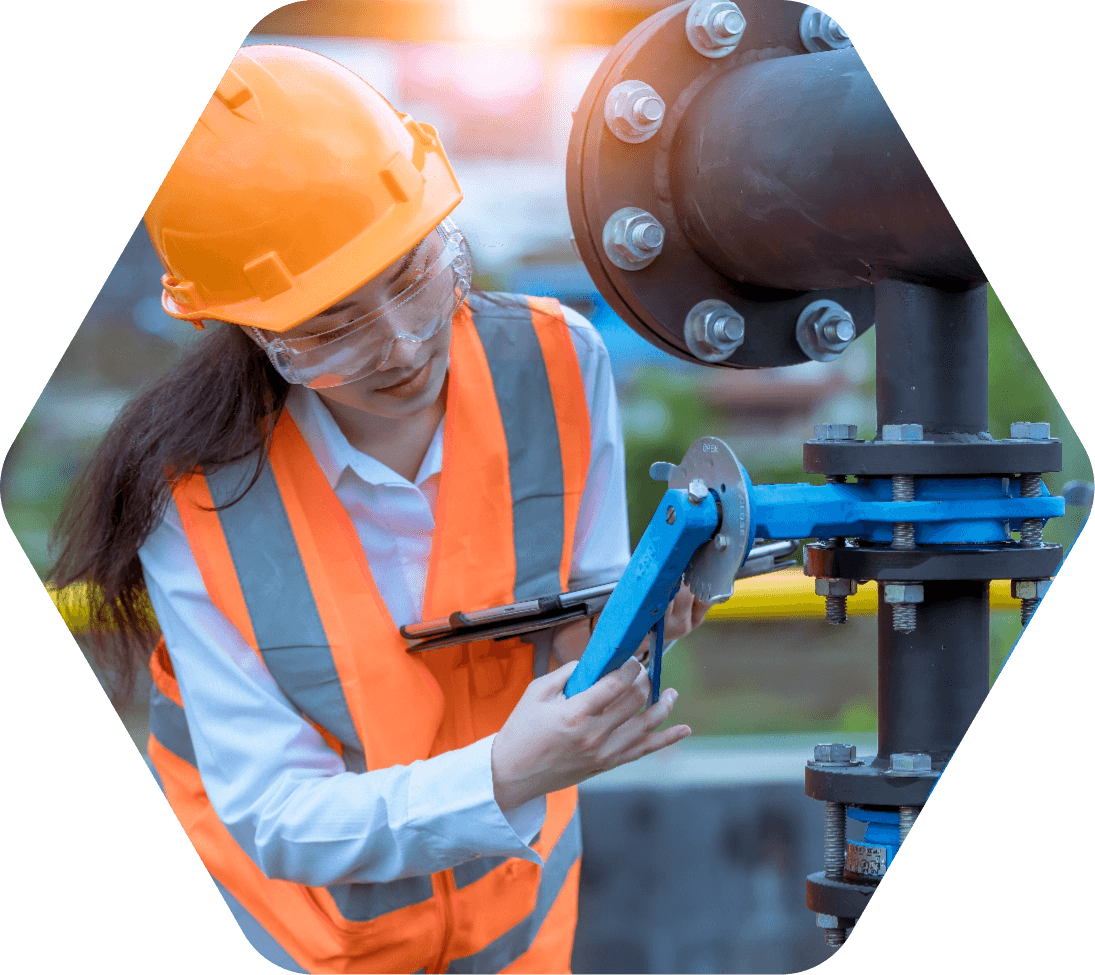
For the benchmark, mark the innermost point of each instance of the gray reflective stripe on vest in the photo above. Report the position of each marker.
(279, 600)
(167, 723)
(468, 873)
(532, 440)
(356, 902)
(517, 940)
(365, 902)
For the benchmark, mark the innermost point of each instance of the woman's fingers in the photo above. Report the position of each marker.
(639, 736)
(628, 703)
(595, 699)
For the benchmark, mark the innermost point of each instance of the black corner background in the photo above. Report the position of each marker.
(107, 98)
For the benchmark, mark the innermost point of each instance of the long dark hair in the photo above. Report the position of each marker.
(217, 405)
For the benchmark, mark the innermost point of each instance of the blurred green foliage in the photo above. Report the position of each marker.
(671, 413)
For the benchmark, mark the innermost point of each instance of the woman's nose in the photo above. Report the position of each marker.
(403, 353)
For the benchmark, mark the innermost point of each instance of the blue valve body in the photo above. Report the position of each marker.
(950, 511)
(946, 511)
(870, 857)
(649, 582)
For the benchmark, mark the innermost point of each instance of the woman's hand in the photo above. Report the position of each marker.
(684, 614)
(550, 741)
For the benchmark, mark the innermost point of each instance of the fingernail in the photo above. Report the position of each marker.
(672, 696)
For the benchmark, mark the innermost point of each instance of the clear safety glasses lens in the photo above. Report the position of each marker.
(426, 288)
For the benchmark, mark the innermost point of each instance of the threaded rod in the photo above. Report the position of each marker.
(835, 840)
(1030, 486)
(836, 610)
(906, 817)
(1026, 610)
(904, 617)
(904, 489)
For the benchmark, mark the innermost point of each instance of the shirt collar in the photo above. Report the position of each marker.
(333, 451)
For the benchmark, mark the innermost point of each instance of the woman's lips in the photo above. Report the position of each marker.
(409, 385)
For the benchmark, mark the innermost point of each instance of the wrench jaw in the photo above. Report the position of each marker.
(711, 571)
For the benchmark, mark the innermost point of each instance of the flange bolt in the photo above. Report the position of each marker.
(910, 763)
(824, 329)
(903, 596)
(836, 593)
(835, 928)
(819, 32)
(713, 331)
(714, 27)
(634, 111)
(1030, 593)
(632, 238)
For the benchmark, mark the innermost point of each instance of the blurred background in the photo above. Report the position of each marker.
(695, 861)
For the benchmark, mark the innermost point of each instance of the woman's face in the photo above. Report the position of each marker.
(411, 378)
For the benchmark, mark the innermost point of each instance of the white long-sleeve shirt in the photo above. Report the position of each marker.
(283, 794)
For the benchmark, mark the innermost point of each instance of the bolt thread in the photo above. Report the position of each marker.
(835, 937)
(904, 487)
(904, 533)
(904, 617)
(1026, 610)
(836, 610)
(1030, 486)
(836, 479)
(835, 840)
(906, 817)
(1031, 535)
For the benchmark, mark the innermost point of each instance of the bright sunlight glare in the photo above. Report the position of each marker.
(503, 20)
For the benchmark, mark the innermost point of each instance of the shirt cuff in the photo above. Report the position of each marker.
(452, 800)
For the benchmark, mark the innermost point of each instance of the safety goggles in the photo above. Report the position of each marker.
(418, 297)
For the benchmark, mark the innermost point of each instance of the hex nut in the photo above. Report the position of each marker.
(903, 592)
(697, 490)
(713, 330)
(835, 587)
(895, 432)
(836, 431)
(829, 922)
(819, 32)
(912, 763)
(824, 330)
(834, 754)
(1030, 431)
(1029, 588)
(714, 27)
(632, 238)
(634, 111)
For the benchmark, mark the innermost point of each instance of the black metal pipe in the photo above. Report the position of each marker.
(793, 173)
(933, 359)
(932, 681)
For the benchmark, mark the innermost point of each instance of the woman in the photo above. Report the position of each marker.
(362, 445)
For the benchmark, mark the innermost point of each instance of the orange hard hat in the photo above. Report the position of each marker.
(299, 183)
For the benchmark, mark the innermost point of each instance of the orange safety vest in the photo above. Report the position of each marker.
(285, 565)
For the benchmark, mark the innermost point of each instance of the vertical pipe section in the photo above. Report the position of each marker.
(933, 359)
(932, 681)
